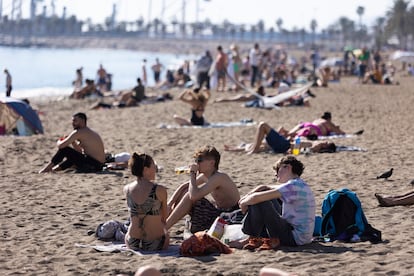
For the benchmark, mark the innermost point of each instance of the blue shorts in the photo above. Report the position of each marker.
(277, 142)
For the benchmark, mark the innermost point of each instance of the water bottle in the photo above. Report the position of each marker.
(187, 228)
(296, 146)
(182, 169)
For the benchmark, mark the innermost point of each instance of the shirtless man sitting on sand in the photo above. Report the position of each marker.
(83, 148)
(190, 199)
(320, 127)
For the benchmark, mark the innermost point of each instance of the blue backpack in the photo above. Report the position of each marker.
(343, 218)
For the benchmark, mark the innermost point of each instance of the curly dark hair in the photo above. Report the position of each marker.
(297, 166)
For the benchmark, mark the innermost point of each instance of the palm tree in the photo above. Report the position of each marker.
(261, 27)
(279, 24)
(379, 32)
(360, 11)
(398, 21)
(347, 27)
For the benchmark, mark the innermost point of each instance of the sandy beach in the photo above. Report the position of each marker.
(43, 216)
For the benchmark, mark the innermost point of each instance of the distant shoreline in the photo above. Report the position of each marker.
(168, 45)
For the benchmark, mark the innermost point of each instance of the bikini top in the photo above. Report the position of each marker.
(151, 205)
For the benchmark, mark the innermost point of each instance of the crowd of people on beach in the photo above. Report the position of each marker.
(152, 214)
(273, 215)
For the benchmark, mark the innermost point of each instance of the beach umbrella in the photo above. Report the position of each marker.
(18, 114)
(403, 56)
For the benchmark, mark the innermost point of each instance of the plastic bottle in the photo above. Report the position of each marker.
(296, 146)
(217, 229)
(182, 169)
(187, 228)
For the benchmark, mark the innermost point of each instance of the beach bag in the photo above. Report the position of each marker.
(343, 219)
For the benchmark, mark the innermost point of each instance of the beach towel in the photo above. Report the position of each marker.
(349, 148)
(244, 122)
(271, 102)
(116, 247)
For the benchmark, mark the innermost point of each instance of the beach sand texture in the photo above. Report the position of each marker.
(44, 216)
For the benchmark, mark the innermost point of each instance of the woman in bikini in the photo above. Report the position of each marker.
(198, 101)
(147, 205)
(320, 127)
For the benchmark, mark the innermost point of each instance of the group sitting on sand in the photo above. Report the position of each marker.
(152, 215)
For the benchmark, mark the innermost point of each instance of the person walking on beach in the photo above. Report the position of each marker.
(147, 205)
(205, 179)
(83, 148)
(78, 82)
(270, 224)
(102, 78)
(203, 67)
(221, 67)
(156, 69)
(254, 58)
(144, 72)
(8, 83)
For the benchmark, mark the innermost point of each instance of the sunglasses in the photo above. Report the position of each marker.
(199, 159)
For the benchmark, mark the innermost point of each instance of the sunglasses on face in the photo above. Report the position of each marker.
(200, 159)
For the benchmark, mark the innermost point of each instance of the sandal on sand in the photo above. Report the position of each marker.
(253, 243)
(269, 244)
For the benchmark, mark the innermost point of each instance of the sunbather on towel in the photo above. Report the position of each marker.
(267, 138)
(320, 127)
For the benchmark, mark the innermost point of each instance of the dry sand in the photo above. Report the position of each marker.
(43, 216)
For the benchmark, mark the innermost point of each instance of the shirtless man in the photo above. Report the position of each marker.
(83, 148)
(190, 199)
(102, 78)
(320, 127)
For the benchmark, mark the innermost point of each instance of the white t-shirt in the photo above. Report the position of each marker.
(299, 209)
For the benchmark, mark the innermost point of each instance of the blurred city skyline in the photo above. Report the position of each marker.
(294, 13)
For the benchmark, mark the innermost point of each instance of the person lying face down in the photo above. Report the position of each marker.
(267, 138)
